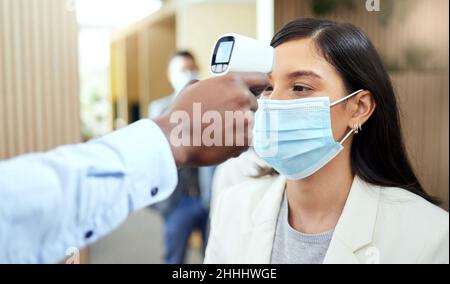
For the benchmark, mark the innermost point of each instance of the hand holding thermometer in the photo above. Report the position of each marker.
(237, 53)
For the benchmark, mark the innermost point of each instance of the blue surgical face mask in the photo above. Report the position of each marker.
(295, 136)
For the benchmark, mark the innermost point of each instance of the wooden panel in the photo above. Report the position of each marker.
(423, 93)
(118, 82)
(161, 40)
(39, 103)
(3, 108)
(138, 66)
(425, 127)
(132, 68)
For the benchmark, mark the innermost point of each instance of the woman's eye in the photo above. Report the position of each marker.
(299, 88)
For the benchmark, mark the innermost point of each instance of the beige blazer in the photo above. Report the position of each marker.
(377, 225)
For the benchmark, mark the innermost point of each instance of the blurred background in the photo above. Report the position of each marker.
(72, 70)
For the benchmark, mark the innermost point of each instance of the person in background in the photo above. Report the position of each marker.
(181, 70)
(187, 209)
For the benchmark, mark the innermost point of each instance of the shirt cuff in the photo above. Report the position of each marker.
(150, 168)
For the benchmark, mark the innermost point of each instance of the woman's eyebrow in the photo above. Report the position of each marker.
(303, 73)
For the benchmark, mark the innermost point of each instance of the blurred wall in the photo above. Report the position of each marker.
(412, 37)
(39, 103)
(140, 53)
(139, 56)
(200, 25)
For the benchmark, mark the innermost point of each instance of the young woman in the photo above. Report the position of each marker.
(346, 193)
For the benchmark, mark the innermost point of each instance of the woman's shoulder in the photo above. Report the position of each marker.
(403, 198)
(409, 225)
(403, 205)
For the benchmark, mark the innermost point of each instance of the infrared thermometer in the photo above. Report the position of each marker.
(238, 53)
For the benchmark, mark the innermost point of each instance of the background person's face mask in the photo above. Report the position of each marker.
(295, 136)
(180, 79)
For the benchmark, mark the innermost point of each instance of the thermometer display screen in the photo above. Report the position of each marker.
(224, 52)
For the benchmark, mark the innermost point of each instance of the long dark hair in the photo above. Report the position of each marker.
(378, 154)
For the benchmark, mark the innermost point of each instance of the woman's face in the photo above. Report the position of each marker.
(300, 71)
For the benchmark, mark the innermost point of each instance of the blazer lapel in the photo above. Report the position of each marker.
(264, 224)
(356, 225)
(353, 231)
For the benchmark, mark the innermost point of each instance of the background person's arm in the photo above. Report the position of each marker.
(73, 195)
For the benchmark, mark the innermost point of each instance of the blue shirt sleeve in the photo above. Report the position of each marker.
(72, 196)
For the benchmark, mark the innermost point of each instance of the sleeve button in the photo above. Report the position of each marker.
(154, 191)
(88, 234)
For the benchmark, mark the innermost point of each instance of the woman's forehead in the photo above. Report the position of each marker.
(301, 55)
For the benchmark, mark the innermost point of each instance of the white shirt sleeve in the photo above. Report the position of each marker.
(72, 196)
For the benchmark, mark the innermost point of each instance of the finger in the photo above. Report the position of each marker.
(253, 103)
(239, 150)
(192, 82)
(254, 80)
(257, 91)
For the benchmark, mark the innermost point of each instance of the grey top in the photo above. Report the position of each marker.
(293, 247)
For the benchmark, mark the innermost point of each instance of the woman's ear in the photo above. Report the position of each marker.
(362, 107)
